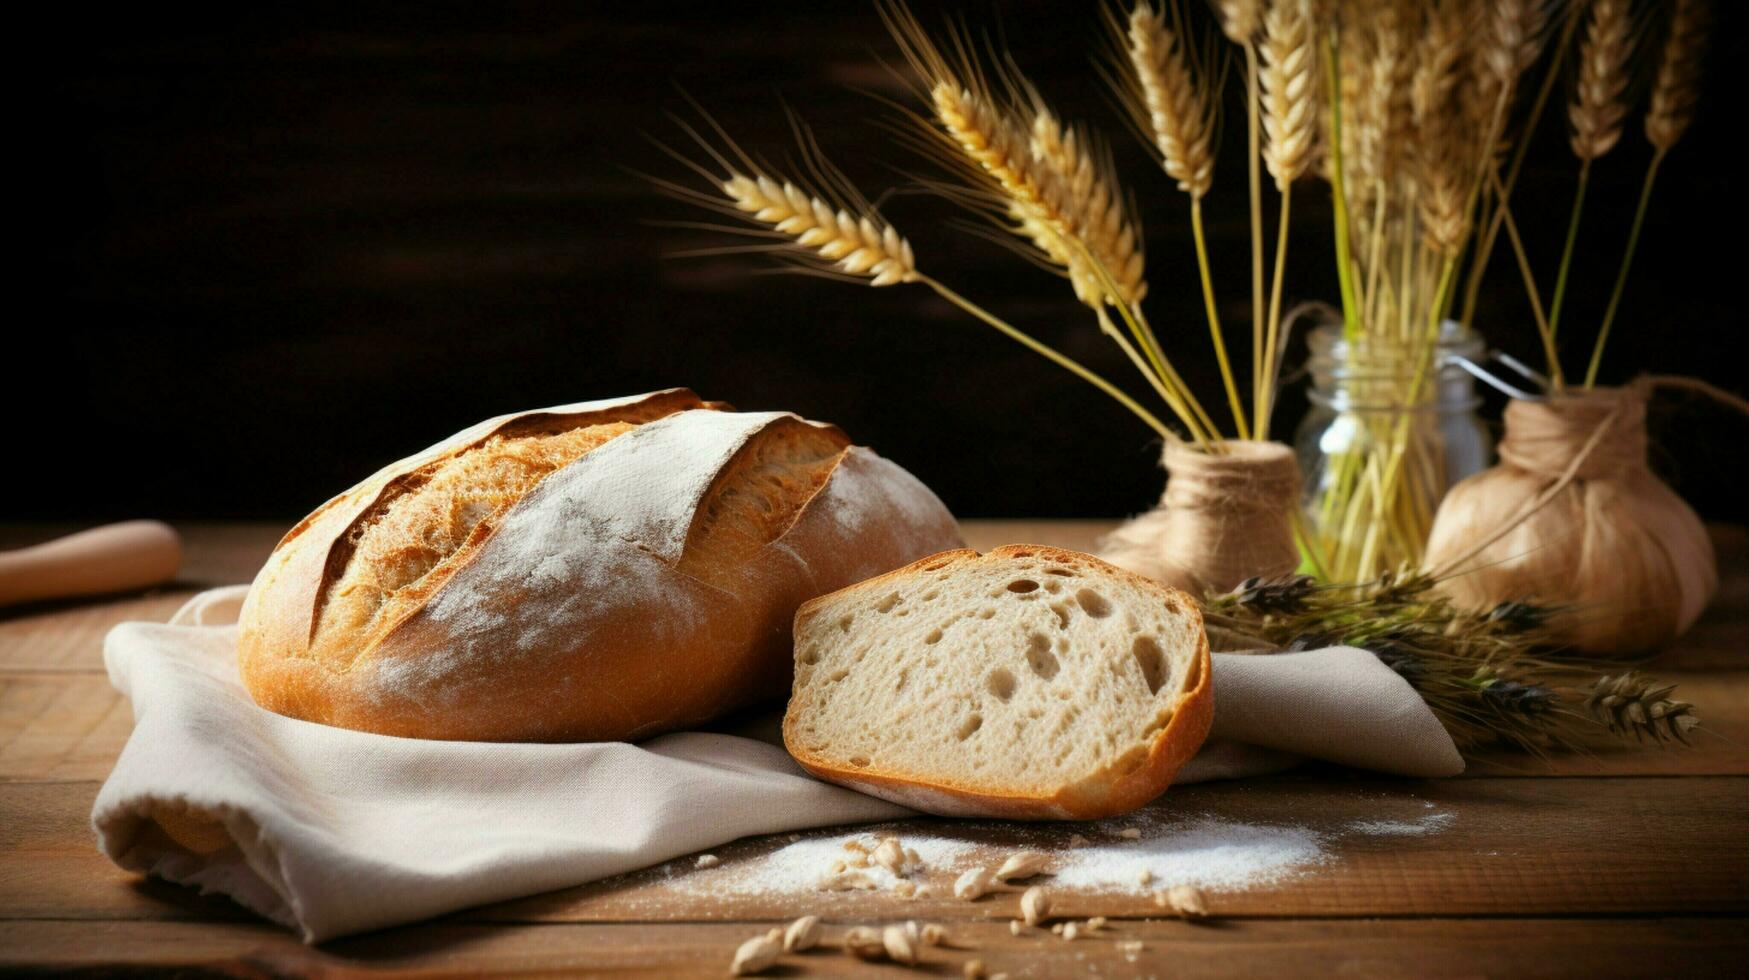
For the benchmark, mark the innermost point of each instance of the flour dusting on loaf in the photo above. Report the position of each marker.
(641, 584)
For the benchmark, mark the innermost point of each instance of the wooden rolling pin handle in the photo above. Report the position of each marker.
(112, 558)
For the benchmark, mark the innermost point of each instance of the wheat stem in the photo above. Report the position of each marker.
(1536, 307)
(1254, 186)
(1056, 357)
(1167, 392)
(1560, 294)
(1339, 201)
(1479, 260)
(1214, 318)
(1266, 392)
(1627, 261)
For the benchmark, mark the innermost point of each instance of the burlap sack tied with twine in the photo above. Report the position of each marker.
(1226, 516)
(1572, 517)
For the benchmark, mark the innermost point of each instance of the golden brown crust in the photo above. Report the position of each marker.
(573, 615)
(1122, 787)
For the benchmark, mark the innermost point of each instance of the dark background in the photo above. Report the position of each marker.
(271, 248)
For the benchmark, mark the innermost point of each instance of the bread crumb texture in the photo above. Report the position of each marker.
(1013, 673)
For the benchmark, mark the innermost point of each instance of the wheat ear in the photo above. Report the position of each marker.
(857, 245)
(1240, 19)
(1442, 169)
(1677, 84)
(1289, 92)
(1180, 112)
(1598, 105)
(1104, 218)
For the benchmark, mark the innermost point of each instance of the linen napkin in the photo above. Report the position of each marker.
(332, 832)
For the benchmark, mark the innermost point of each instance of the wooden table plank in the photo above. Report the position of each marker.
(61, 727)
(1490, 847)
(1427, 948)
(1583, 845)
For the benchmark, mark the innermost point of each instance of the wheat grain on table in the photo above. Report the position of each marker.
(1603, 865)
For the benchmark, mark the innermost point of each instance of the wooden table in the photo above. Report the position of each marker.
(1627, 863)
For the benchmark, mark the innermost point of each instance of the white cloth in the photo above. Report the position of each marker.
(332, 832)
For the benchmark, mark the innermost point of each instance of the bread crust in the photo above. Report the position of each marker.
(568, 618)
(1118, 788)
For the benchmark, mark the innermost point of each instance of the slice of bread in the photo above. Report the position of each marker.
(1031, 682)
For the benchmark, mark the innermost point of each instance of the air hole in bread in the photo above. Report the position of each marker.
(844, 624)
(1053, 587)
(969, 726)
(930, 595)
(1094, 603)
(1172, 606)
(1149, 657)
(987, 612)
(859, 761)
(1039, 656)
(1058, 571)
(1020, 553)
(888, 603)
(808, 655)
(1022, 586)
(934, 637)
(1194, 677)
(904, 675)
(1002, 683)
(1062, 611)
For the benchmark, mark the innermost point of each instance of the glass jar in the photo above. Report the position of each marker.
(1380, 447)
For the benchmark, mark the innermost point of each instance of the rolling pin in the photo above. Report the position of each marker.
(112, 558)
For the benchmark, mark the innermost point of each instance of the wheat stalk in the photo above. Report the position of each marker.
(1290, 114)
(1179, 110)
(857, 245)
(1677, 84)
(1598, 106)
(1674, 91)
(1594, 116)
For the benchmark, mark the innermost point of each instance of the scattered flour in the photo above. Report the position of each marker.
(1218, 855)
(1209, 852)
(1433, 823)
(798, 867)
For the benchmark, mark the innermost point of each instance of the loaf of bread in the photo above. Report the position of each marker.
(1029, 683)
(600, 571)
